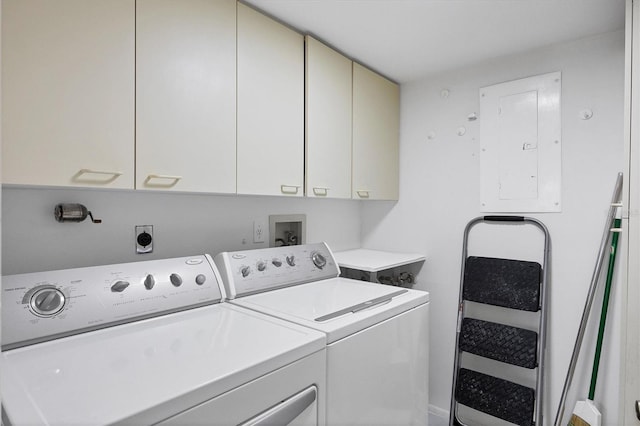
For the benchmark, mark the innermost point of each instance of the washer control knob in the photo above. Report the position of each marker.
(291, 260)
(319, 260)
(176, 280)
(200, 279)
(245, 270)
(276, 262)
(261, 266)
(119, 286)
(47, 301)
(149, 282)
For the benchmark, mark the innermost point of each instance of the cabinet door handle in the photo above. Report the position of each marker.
(173, 180)
(363, 193)
(289, 189)
(110, 176)
(320, 191)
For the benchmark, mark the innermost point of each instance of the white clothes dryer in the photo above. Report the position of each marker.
(377, 335)
(150, 343)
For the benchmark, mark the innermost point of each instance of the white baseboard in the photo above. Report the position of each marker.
(439, 412)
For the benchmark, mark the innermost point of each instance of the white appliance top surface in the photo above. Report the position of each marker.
(146, 371)
(374, 260)
(304, 303)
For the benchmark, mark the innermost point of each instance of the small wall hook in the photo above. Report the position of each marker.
(586, 114)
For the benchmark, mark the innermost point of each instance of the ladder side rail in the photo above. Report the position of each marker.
(542, 327)
(453, 408)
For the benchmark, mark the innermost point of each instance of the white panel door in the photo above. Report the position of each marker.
(328, 97)
(518, 146)
(68, 92)
(520, 157)
(376, 122)
(185, 95)
(270, 106)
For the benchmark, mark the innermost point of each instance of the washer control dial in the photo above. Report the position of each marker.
(119, 286)
(149, 282)
(276, 262)
(176, 280)
(47, 301)
(291, 260)
(245, 270)
(318, 259)
(261, 266)
(201, 279)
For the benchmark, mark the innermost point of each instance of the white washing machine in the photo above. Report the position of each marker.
(150, 343)
(377, 335)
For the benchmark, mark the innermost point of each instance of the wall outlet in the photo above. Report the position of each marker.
(259, 231)
(144, 239)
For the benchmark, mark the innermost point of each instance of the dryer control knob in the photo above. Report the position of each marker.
(245, 270)
(47, 301)
(119, 286)
(200, 279)
(176, 280)
(319, 260)
(291, 260)
(261, 266)
(149, 282)
(276, 262)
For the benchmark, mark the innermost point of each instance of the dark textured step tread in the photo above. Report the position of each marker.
(501, 342)
(497, 397)
(508, 283)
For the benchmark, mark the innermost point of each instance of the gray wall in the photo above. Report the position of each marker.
(439, 194)
(184, 224)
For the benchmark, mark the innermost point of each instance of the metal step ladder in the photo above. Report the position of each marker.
(518, 286)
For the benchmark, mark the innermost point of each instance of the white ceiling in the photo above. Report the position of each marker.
(408, 39)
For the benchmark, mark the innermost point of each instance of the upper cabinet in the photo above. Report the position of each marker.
(270, 138)
(186, 95)
(68, 92)
(376, 122)
(328, 109)
(189, 95)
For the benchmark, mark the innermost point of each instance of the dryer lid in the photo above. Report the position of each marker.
(147, 371)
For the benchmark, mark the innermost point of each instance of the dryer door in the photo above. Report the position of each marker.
(293, 395)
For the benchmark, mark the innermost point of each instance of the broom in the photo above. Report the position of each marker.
(585, 413)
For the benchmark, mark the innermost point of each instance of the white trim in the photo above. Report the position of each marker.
(439, 412)
(630, 341)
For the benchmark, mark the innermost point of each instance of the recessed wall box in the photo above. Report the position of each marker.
(287, 230)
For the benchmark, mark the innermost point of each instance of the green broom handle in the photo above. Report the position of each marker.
(605, 307)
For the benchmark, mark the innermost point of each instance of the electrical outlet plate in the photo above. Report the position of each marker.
(259, 231)
(144, 239)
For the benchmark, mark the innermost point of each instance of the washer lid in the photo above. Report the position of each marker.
(338, 306)
(146, 371)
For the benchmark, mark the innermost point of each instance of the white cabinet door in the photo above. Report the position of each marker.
(270, 106)
(68, 92)
(328, 95)
(185, 95)
(376, 121)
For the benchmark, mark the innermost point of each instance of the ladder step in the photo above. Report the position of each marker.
(497, 397)
(501, 342)
(508, 283)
